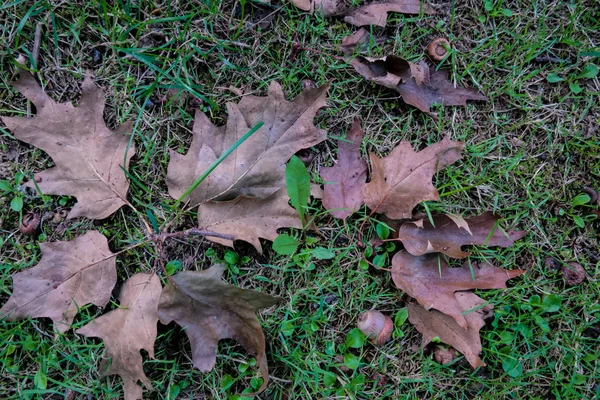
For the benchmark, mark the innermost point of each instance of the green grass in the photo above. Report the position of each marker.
(530, 150)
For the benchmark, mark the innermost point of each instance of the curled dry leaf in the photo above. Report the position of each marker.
(88, 155)
(452, 231)
(257, 167)
(359, 39)
(465, 339)
(402, 180)
(209, 310)
(415, 83)
(430, 281)
(128, 329)
(344, 182)
(70, 275)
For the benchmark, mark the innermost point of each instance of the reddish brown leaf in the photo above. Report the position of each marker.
(69, 275)
(128, 329)
(210, 310)
(359, 39)
(402, 180)
(430, 281)
(88, 155)
(464, 339)
(417, 85)
(344, 182)
(452, 231)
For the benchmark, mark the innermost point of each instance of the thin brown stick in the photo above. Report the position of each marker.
(192, 231)
(35, 54)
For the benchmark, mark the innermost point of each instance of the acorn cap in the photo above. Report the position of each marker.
(437, 49)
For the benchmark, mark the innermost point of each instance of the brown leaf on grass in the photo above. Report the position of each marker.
(88, 155)
(344, 182)
(402, 180)
(69, 275)
(452, 231)
(257, 167)
(416, 84)
(128, 329)
(430, 281)
(359, 39)
(466, 339)
(210, 310)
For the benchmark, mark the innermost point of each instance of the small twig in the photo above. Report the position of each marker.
(548, 59)
(35, 55)
(192, 231)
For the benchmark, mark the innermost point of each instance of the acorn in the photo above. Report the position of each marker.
(376, 326)
(437, 49)
(30, 223)
(573, 274)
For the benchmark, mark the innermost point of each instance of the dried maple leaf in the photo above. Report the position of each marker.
(466, 339)
(88, 155)
(433, 283)
(359, 39)
(128, 329)
(402, 180)
(344, 182)
(452, 231)
(257, 167)
(209, 310)
(417, 85)
(69, 276)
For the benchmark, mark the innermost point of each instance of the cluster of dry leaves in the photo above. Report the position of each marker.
(245, 199)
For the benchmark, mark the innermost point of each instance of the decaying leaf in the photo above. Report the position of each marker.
(88, 155)
(128, 329)
(466, 339)
(69, 275)
(359, 39)
(402, 180)
(210, 309)
(344, 182)
(256, 168)
(415, 83)
(452, 231)
(430, 281)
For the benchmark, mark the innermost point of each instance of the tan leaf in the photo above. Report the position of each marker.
(248, 219)
(88, 155)
(433, 283)
(128, 329)
(359, 39)
(451, 232)
(433, 324)
(69, 276)
(210, 309)
(344, 182)
(415, 83)
(257, 167)
(402, 180)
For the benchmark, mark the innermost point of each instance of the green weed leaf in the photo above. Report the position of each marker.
(285, 244)
(297, 182)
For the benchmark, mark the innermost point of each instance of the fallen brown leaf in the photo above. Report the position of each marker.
(69, 276)
(466, 339)
(430, 281)
(344, 181)
(210, 309)
(88, 155)
(415, 83)
(452, 231)
(128, 329)
(402, 180)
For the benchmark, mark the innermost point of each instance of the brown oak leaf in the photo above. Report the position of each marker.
(128, 329)
(452, 231)
(402, 180)
(88, 155)
(210, 310)
(430, 281)
(432, 323)
(359, 39)
(344, 182)
(69, 275)
(257, 167)
(416, 84)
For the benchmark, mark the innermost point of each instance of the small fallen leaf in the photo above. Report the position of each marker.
(430, 280)
(450, 232)
(402, 180)
(466, 339)
(69, 275)
(128, 329)
(344, 182)
(210, 310)
(415, 83)
(359, 39)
